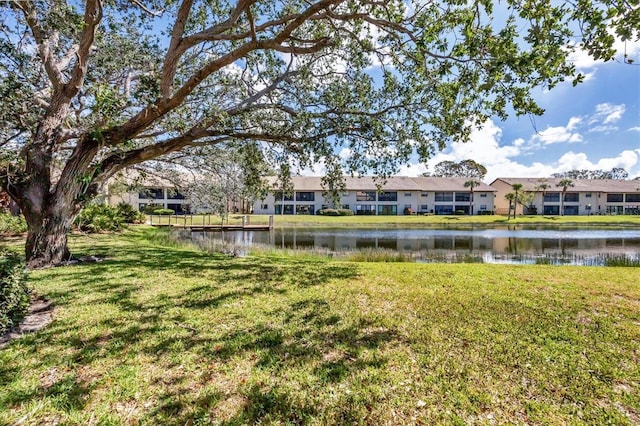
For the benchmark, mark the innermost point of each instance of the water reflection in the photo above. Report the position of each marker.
(488, 245)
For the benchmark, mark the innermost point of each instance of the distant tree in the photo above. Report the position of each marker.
(615, 173)
(564, 184)
(516, 187)
(471, 184)
(511, 197)
(525, 199)
(465, 169)
(542, 187)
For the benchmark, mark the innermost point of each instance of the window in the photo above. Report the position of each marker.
(463, 196)
(345, 206)
(587, 195)
(264, 207)
(142, 206)
(483, 195)
(444, 196)
(388, 196)
(551, 210)
(424, 194)
(305, 196)
(152, 193)
(174, 194)
(366, 209)
(386, 210)
(443, 209)
(614, 209)
(288, 209)
(407, 194)
(614, 198)
(305, 209)
(287, 196)
(571, 197)
(366, 196)
(177, 208)
(424, 208)
(483, 206)
(571, 210)
(552, 197)
(345, 193)
(632, 198)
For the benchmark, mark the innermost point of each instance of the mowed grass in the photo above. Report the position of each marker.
(410, 220)
(157, 334)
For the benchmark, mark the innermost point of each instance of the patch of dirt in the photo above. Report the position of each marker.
(39, 316)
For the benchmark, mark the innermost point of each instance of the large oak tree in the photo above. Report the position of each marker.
(91, 88)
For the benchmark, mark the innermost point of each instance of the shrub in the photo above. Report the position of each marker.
(129, 214)
(459, 212)
(12, 224)
(149, 208)
(335, 212)
(328, 212)
(345, 212)
(408, 211)
(14, 294)
(164, 212)
(99, 218)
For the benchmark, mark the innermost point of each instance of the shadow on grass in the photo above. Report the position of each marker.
(294, 328)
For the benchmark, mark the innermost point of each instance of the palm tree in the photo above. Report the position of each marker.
(516, 187)
(510, 196)
(471, 184)
(564, 183)
(543, 186)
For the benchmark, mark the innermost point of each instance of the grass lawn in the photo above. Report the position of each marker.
(170, 335)
(414, 220)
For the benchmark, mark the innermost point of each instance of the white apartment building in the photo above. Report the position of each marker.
(584, 197)
(397, 195)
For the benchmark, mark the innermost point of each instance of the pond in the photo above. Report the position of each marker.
(579, 246)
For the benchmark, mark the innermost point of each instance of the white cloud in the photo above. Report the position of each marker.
(634, 129)
(608, 113)
(558, 135)
(604, 129)
(571, 160)
(573, 122)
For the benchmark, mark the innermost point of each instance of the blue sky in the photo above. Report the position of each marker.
(595, 125)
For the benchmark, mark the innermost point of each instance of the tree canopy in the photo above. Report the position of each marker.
(90, 88)
(465, 168)
(615, 173)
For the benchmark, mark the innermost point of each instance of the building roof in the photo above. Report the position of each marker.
(579, 185)
(393, 183)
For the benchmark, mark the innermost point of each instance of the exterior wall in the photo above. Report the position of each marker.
(589, 201)
(420, 202)
(166, 200)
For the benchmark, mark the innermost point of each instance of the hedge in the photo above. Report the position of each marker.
(335, 212)
(14, 294)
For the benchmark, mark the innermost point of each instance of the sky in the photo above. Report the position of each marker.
(595, 125)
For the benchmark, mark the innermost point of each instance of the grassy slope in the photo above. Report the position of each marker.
(160, 335)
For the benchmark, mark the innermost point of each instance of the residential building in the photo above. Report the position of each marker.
(397, 195)
(162, 195)
(583, 197)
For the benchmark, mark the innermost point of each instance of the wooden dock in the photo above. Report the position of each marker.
(203, 223)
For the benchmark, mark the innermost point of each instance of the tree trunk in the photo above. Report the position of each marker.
(46, 243)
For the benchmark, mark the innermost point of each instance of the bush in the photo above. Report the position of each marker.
(335, 212)
(14, 294)
(408, 211)
(345, 212)
(149, 208)
(459, 212)
(164, 212)
(12, 224)
(99, 218)
(129, 214)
